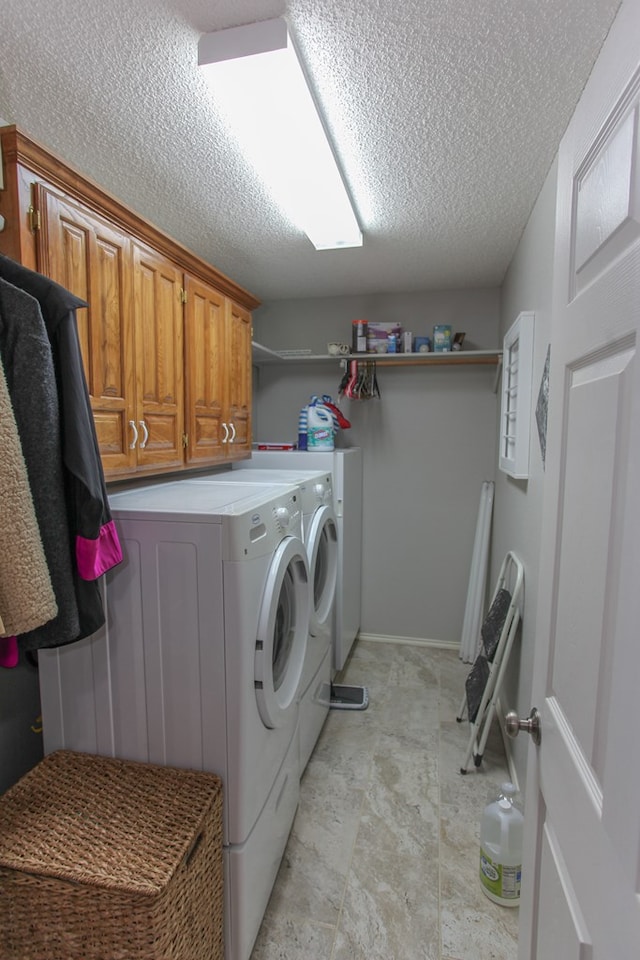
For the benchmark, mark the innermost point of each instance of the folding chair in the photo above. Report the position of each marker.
(497, 633)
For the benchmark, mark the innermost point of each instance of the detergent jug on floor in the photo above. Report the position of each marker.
(501, 830)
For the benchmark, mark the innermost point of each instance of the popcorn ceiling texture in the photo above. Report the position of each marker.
(445, 116)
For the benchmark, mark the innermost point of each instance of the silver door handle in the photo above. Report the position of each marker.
(133, 443)
(226, 432)
(145, 434)
(513, 725)
(233, 432)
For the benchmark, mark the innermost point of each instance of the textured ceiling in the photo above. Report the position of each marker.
(445, 115)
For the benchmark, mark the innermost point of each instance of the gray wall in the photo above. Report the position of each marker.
(428, 444)
(518, 503)
(301, 324)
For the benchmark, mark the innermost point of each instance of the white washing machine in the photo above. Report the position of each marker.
(199, 665)
(345, 466)
(320, 537)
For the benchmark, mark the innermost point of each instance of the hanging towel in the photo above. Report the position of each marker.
(26, 595)
(30, 377)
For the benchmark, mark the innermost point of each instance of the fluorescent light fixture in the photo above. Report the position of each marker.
(256, 77)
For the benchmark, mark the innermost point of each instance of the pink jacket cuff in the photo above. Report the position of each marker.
(8, 652)
(95, 557)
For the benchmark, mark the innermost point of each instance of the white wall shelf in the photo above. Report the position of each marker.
(263, 355)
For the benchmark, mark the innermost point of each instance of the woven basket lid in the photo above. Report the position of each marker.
(111, 823)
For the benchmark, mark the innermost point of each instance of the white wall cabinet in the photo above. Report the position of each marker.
(515, 409)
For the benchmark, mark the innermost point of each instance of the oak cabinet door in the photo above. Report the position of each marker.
(239, 391)
(159, 358)
(205, 373)
(90, 257)
(218, 375)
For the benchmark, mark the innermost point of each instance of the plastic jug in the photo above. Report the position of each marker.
(501, 831)
(320, 427)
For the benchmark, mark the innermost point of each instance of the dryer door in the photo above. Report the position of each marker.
(283, 629)
(322, 551)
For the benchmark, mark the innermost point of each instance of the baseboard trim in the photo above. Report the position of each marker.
(409, 641)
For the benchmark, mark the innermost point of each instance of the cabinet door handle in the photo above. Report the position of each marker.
(134, 441)
(226, 432)
(145, 434)
(233, 432)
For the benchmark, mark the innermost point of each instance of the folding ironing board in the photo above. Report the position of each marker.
(497, 633)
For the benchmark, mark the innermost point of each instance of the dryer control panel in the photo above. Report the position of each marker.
(259, 531)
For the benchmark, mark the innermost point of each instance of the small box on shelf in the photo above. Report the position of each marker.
(421, 344)
(442, 338)
(378, 336)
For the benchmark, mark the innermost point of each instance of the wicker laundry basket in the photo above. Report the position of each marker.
(104, 859)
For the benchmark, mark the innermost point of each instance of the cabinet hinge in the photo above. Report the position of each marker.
(35, 222)
(183, 295)
(185, 440)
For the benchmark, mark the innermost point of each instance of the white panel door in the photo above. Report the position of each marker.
(581, 869)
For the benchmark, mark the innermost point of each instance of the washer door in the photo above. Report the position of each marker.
(283, 628)
(322, 551)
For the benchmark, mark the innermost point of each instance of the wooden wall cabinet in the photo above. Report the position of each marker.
(166, 339)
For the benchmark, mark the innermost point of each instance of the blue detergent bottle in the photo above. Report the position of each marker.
(302, 429)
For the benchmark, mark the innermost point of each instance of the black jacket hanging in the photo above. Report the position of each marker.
(96, 546)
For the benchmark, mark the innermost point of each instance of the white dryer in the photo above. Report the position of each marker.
(346, 470)
(200, 664)
(320, 537)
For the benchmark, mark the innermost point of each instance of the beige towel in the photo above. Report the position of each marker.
(26, 595)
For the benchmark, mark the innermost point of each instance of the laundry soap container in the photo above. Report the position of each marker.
(320, 426)
(501, 831)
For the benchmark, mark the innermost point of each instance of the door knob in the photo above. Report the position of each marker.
(513, 725)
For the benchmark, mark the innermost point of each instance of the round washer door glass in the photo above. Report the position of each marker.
(283, 629)
(322, 550)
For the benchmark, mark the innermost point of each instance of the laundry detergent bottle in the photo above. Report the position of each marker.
(501, 831)
(320, 427)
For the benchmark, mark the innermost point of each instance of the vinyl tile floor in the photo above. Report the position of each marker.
(382, 859)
